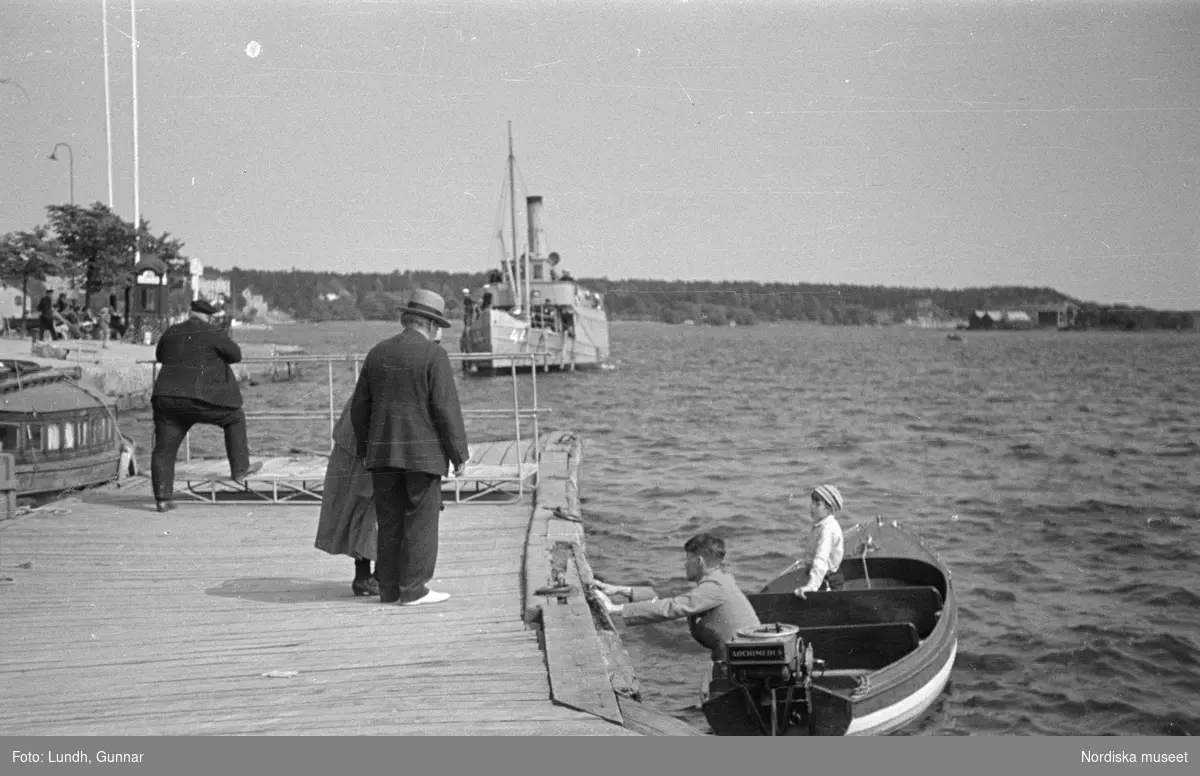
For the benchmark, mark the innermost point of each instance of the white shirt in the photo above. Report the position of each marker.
(823, 551)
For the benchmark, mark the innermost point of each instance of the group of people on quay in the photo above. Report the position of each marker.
(398, 435)
(69, 320)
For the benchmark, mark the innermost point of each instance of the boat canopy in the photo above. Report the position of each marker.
(46, 398)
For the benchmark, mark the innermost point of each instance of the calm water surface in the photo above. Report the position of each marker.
(1057, 473)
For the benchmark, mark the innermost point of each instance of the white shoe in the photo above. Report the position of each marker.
(432, 597)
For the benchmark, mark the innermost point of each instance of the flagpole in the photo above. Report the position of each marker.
(107, 100)
(137, 211)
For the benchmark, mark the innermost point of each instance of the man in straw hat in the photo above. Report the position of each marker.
(408, 426)
(196, 385)
(824, 548)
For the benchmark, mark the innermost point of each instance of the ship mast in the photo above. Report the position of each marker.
(512, 194)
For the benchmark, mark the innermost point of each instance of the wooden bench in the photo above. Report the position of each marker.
(916, 605)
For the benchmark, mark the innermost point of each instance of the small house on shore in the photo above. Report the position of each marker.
(1060, 315)
(1000, 319)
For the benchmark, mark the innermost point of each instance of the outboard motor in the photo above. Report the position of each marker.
(773, 667)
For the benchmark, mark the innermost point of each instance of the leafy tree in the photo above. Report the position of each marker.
(340, 309)
(97, 244)
(743, 316)
(714, 314)
(31, 255)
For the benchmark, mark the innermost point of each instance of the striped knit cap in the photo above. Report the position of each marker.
(830, 495)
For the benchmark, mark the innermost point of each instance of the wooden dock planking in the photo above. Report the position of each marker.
(575, 656)
(589, 667)
(135, 622)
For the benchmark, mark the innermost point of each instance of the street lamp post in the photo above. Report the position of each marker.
(70, 162)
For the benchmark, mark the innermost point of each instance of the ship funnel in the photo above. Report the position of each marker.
(533, 208)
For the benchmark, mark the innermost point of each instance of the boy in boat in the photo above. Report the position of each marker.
(825, 547)
(716, 608)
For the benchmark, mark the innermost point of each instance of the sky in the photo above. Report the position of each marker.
(900, 143)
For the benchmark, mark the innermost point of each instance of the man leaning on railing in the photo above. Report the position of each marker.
(196, 385)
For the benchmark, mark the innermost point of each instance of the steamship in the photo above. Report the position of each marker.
(530, 306)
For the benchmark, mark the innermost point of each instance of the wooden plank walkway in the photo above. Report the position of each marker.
(223, 619)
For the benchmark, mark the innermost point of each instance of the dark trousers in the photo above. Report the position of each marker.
(174, 416)
(408, 506)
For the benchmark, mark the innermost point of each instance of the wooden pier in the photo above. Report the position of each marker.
(222, 619)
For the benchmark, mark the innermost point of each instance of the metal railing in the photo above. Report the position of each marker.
(517, 413)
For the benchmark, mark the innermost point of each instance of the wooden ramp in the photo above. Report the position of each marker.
(496, 472)
(223, 619)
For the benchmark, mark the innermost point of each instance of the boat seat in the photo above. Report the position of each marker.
(917, 605)
(868, 647)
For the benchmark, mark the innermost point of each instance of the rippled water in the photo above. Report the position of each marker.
(1057, 473)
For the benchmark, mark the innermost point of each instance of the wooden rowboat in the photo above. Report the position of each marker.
(873, 656)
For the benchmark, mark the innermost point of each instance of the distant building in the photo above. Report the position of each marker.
(1062, 315)
(1000, 319)
(332, 289)
(214, 286)
(11, 298)
(254, 301)
(209, 283)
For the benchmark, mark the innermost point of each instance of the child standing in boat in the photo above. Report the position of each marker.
(824, 548)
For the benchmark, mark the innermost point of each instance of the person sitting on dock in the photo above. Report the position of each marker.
(196, 385)
(347, 523)
(825, 547)
(716, 608)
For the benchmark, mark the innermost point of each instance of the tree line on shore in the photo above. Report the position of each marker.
(93, 249)
(326, 296)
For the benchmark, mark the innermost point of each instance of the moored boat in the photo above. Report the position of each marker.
(62, 436)
(865, 660)
(530, 306)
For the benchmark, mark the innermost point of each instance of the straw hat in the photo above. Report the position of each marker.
(428, 305)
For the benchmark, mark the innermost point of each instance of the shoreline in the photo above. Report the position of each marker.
(115, 371)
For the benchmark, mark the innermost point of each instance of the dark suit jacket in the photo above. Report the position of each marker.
(405, 409)
(196, 356)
